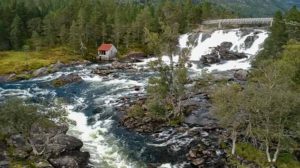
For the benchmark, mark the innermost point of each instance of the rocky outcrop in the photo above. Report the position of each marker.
(66, 79)
(53, 146)
(207, 153)
(116, 66)
(221, 53)
(144, 124)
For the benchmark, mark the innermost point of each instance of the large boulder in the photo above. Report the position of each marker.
(69, 143)
(75, 160)
(66, 79)
(40, 72)
(57, 66)
(221, 52)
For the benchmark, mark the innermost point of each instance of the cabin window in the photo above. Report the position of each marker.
(102, 52)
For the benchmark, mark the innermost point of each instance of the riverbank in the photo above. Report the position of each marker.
(18, 65)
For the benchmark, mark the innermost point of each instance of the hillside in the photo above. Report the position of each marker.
(253, 8)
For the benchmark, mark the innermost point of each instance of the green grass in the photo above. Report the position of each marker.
(17, 61)
(250, 153)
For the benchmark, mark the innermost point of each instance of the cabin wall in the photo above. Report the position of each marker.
(109, 55)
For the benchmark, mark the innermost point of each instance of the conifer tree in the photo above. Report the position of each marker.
(16, 36)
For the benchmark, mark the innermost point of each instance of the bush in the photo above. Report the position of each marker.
(136, 111)
(156, 109)
(18, 117)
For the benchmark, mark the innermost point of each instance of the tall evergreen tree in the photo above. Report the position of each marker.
(74, 37)
(16, 36)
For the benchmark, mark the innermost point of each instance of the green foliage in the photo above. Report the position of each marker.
(18, 117)
(249, 152)
(268, 105)
(156, 108)
(284, 28)
(136, 111)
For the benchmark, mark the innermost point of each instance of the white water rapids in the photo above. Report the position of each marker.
(100, 94)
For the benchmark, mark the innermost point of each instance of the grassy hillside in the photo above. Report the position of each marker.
(16, 62)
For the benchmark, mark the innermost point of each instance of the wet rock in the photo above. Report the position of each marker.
(40, 72)
(57, 66)
(210, 59)
(193, 39)
(69, 143)
(226, 45)
(241, 74)
(205, 36)
(221, 52)
(103, 71)
(66, 79)
(75, 160)
(250, 40)
(119, 65)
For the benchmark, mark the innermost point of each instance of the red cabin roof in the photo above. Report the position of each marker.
(105, 47)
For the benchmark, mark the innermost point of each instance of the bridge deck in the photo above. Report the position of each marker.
(239, 21)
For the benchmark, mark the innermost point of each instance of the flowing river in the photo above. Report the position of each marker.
(91, 103)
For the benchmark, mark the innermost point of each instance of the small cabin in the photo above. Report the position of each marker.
(107, 52)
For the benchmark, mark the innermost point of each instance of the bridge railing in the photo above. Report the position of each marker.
(239, 21)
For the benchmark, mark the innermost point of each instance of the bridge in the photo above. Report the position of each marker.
(240, 21)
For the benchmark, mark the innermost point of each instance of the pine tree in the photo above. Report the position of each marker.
(293, 23)
(74, 37)
(16, 36)
(36, 41)
(63, 34)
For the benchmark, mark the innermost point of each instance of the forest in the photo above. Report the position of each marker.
(82, 25)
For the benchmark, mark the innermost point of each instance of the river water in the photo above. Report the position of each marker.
(92, 104)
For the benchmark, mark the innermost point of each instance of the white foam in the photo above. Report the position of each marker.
(103, 148)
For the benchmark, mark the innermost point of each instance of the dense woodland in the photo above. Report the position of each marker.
(84, 24)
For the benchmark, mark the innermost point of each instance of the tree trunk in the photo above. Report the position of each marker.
(268, 152)
(276, 153)
(233, 137)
